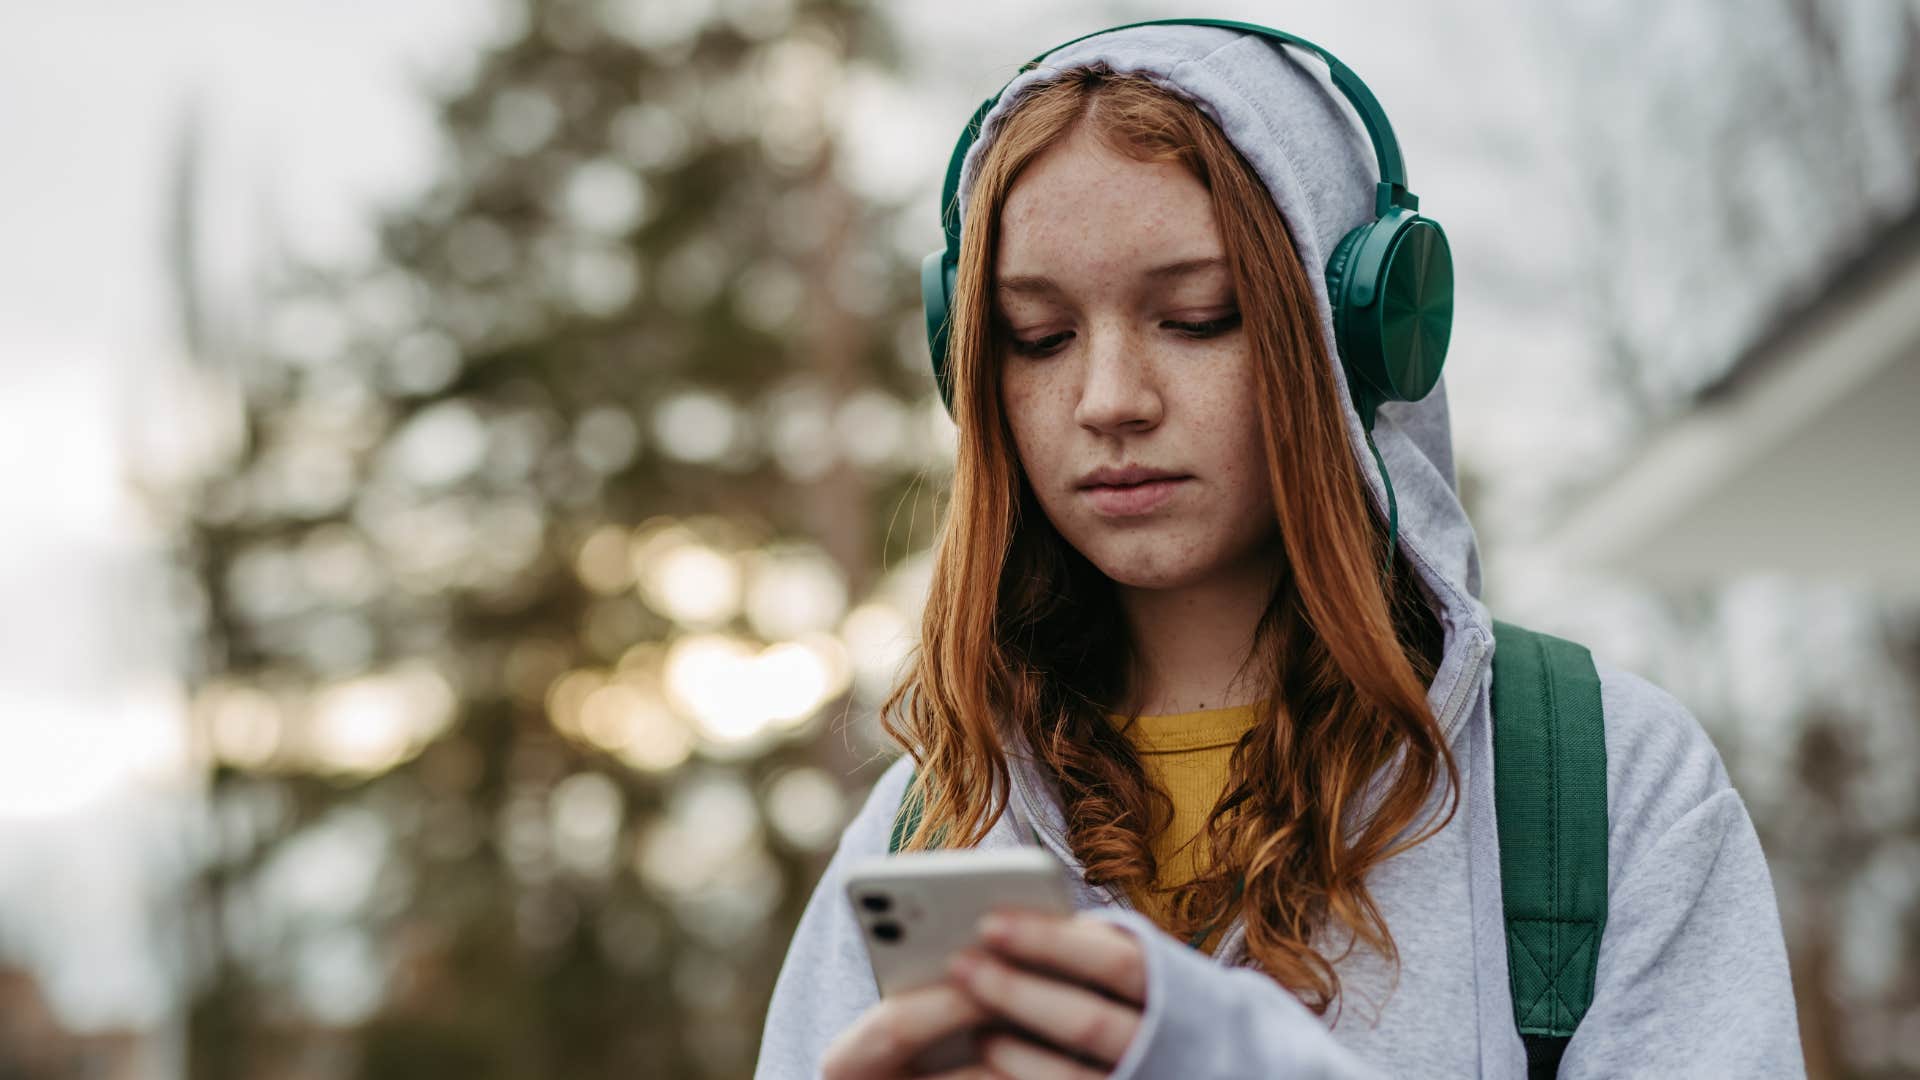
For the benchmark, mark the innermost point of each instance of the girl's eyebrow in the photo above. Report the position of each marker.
(1038, 284)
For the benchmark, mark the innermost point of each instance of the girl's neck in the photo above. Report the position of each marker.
(1190, 643)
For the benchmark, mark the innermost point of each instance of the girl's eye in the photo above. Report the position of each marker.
(1209, 328)
(1042, 346)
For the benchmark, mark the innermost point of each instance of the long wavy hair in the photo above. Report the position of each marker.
(1021, 630)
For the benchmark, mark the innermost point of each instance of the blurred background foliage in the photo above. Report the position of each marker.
(546, 549)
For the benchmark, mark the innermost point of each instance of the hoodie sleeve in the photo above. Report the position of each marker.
(1204, 1021)
(826, 981)
(1692, 978)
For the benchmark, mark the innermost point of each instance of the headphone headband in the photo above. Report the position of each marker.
(1393, 173)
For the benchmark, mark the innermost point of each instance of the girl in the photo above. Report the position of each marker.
(1161, 642)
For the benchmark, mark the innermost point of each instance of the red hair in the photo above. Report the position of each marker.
(1020, 629)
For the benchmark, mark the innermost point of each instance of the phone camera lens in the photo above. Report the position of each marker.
(876, 902)
(887, 931)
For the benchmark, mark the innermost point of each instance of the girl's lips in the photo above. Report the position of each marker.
(1132, 500)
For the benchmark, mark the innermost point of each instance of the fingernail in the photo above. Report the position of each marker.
(995, 926)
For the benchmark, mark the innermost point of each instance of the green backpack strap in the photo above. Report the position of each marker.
(907, 818)
(1550, 796)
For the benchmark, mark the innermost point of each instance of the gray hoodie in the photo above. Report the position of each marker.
(1692, 977)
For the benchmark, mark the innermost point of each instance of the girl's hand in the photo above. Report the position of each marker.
(1075, 981)
(883, 1041)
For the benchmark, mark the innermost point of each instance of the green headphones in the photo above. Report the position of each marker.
(1390, 280)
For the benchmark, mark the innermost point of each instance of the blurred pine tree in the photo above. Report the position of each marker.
(523, 650)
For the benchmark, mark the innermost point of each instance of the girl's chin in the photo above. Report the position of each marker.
(1154, 559)
(1148, 573)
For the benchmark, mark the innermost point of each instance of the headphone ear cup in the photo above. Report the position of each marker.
(1337, 265)
(1339, 275)
(936, 298)
(1396, 343)
(1403, 333)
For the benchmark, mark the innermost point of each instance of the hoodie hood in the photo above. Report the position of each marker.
(1280, 110)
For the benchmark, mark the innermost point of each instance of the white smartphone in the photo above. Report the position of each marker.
(917, 908)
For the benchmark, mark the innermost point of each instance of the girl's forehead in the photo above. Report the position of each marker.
(1076, 210)
(1082, 172)
(1151, 269)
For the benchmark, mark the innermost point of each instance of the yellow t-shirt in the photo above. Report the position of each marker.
(1185, 755)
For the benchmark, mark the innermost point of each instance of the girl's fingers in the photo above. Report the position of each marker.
(967, 1072)
(1070, 1016)
(1083, 948)
(1023, 1059)
(883, 1040)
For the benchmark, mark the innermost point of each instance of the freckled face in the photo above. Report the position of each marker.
(1124, 348)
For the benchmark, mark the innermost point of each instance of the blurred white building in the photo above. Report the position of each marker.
(1802, 459)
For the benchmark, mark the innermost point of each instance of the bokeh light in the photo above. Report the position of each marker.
(686, 580)
(368, 725)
